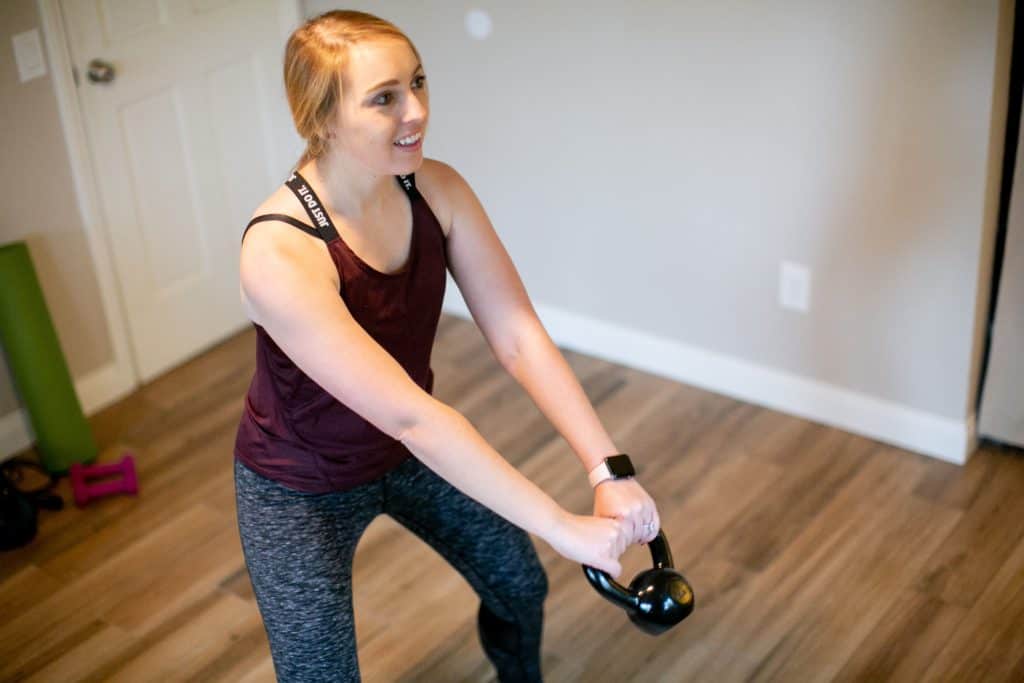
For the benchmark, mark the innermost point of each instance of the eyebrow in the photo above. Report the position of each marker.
(392, 81)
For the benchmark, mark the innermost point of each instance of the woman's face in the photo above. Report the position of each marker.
(384, 100)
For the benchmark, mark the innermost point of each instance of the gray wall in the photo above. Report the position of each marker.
(649, 164)
(39, 206)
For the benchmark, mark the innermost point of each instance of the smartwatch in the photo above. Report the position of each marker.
(614, 467)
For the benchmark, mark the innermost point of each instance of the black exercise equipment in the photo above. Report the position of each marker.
(657, 599)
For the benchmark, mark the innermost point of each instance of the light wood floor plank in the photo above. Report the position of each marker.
(989, 643)
(185, 652)
(905, 641)
(77, 662)
(991, 528)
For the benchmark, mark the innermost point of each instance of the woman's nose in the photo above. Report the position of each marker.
(416, 109)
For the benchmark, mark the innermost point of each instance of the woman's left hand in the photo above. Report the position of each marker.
(627, 500)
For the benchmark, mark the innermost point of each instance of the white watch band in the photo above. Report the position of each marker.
(599, 474)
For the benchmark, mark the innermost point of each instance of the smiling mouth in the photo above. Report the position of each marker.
(410, 140)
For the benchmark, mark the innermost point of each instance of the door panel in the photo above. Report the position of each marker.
(190, 135)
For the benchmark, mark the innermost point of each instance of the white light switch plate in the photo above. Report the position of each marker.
(28, 53)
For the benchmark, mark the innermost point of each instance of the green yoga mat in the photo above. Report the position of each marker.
(40, 373)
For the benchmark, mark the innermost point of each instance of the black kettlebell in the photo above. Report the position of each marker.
(657, 599)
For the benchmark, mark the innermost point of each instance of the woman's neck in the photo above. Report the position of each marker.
(345, 189)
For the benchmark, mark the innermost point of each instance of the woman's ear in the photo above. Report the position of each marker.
(327, 128)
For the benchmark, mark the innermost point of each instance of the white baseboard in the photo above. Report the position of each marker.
(96, 391)
(892, 423)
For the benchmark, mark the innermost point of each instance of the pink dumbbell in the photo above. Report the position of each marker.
(109, 482)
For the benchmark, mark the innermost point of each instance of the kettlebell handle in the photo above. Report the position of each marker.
(661, 556)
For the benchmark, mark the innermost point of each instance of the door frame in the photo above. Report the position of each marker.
(106, 385)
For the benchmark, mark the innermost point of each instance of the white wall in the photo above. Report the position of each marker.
(649, 165)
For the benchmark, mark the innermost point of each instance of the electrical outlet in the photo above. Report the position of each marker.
(795, 286)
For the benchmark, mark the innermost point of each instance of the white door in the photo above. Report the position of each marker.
(1001, 414)
(188, 137)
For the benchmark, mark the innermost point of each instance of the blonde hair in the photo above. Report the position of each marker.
(314, 58)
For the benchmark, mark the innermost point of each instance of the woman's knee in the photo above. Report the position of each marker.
(530, 585)
(537, 585)
(512, 579)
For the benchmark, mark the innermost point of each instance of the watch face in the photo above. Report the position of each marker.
(620, 466)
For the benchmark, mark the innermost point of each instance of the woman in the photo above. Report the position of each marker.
(339, 424)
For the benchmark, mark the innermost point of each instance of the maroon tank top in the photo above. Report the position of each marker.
(292, 430)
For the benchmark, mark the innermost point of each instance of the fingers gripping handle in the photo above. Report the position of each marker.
(616, 593)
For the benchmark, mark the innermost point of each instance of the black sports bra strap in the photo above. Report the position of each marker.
(408, 183)
(313, 206)
(284, 218)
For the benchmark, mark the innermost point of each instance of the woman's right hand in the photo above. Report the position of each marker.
(594, 541)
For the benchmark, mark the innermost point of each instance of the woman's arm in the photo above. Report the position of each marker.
(501, 308)
(541, 369)
(447, 443)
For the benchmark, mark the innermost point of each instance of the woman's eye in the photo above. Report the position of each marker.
(385, 98)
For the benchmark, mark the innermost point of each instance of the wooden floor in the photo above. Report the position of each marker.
(814, 554)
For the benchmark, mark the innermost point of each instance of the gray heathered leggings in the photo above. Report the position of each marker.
(299, 547)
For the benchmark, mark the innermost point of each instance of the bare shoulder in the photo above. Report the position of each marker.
(270, 246)
(279, 234)
(443, 187)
